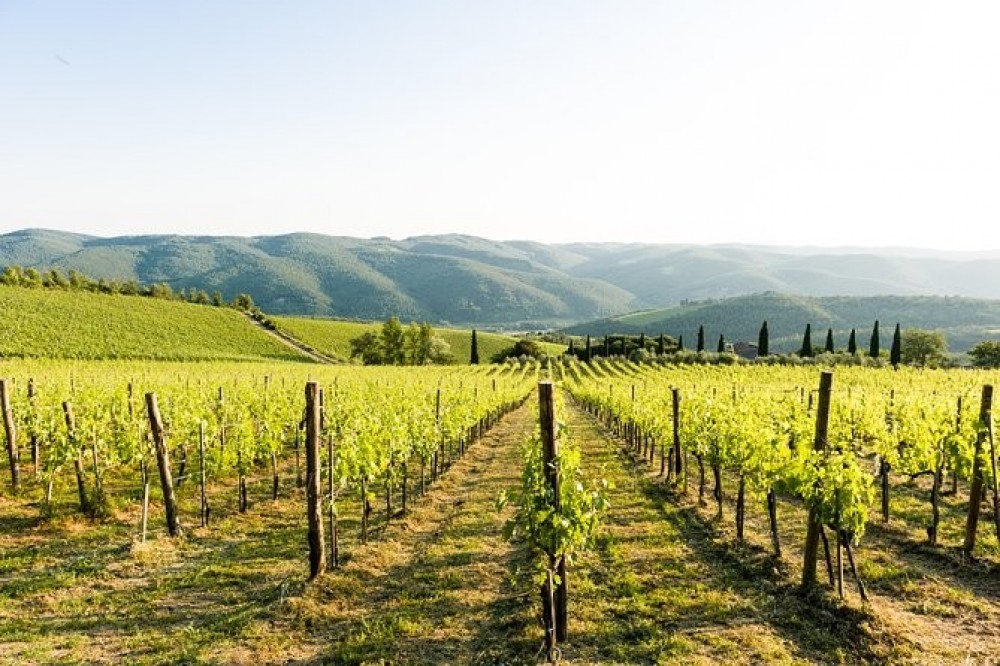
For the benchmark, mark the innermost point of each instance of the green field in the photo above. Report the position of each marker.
(48, 323)
(333, 338)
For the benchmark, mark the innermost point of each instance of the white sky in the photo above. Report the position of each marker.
(799, 122)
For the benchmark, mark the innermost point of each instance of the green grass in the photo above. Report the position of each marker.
(333, 338)
(46, 323)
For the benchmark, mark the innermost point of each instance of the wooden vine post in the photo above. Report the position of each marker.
(317, 554)
(814, 528)
(557, 561)
(201, 465)
(81, 486)
(11, 433)
(163, 463)
(33, 406)
(675, 399)
(976, 490)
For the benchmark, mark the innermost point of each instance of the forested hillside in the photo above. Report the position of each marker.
(468, 281)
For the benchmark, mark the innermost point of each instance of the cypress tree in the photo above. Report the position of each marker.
(474, 360)
(873, 346)
(807, 345)
(762, 340)
(572, 350)
(829, 341)
(607, 346)
(897, 345)
(642, 340)
(680, 343)
(852, 343)
(722, 344)
(587, 351)
(701, 338)
(659, 346)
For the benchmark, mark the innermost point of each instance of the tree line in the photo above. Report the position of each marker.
(395, 345)
(73, 280)
(912, 346)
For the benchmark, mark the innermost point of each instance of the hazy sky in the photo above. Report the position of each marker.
(826, 123)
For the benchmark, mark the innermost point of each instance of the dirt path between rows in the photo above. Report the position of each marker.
(660, 588)
(441, 586)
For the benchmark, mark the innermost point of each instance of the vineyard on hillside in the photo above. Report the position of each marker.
(52, 323)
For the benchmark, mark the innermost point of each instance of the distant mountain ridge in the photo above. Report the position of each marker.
(467, 280)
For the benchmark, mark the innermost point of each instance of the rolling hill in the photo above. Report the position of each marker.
(468, 281)
(59, 323)
(52, 323)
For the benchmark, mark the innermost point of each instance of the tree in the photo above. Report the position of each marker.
(367, 346)
(417, 344)
(828, 348)
(607, 346)
(440, 351)
(659, 345)
(393, 342)
(586, 352)
(921, 347)
(722, 344)
(243, 302)
(852, 343)
(986, 354)
(680, 343)
(32, 278)
(164, 291)
(572, 348)
(701, 338)
(526, 347)
(807, 345)
(895, 353)
(474, 357)
(762, 340)
(54, 278)
(12, 276)
(873, 346)
(217, 299)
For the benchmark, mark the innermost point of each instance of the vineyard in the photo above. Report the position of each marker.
(44, 323)
(157, 512)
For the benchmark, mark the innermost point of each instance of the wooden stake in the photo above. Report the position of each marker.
(163, 463)
(550, 461)
(317, 555)
(11, 433)
(33, 406)
(976, 490)
(810, 552)
(201, 465)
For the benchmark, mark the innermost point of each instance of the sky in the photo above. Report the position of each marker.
(866, 123)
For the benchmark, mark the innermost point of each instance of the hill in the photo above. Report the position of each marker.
(456, 280)
(964, 321)
(333, 338)
(50, 323)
